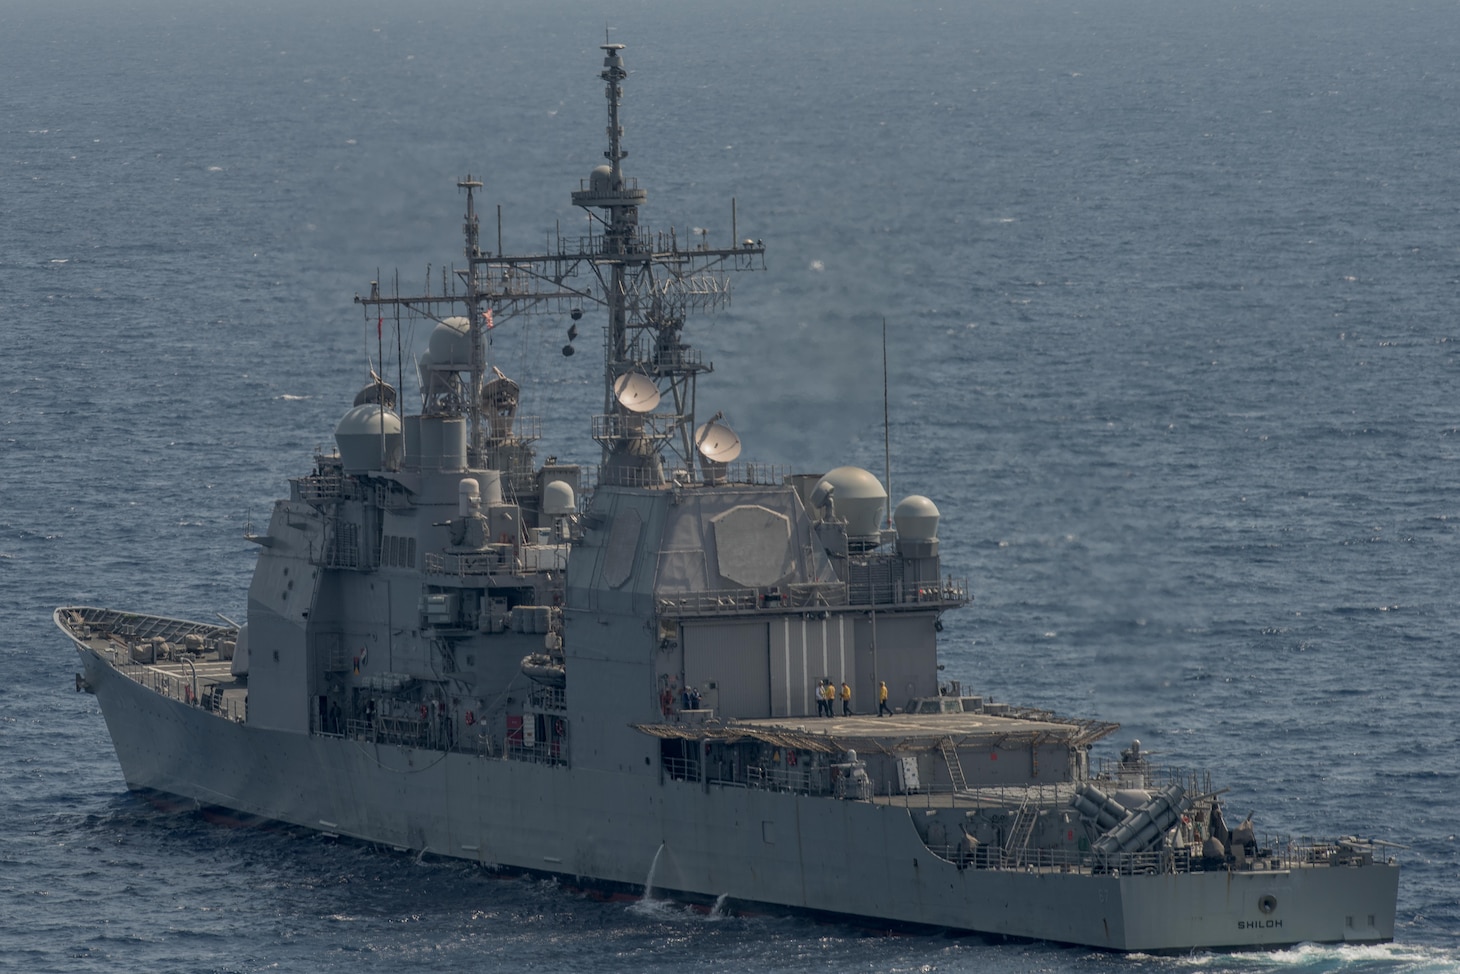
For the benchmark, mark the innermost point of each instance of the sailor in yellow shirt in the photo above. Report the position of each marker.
(882, 707)
(846, 699)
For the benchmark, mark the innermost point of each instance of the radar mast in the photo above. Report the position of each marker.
(648, 282)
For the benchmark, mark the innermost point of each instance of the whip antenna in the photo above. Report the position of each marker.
(886, 427)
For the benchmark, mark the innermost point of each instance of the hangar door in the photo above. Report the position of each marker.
(803, 652)
(728, 662)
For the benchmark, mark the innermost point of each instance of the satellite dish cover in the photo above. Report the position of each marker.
(716, 441)
(636, 392)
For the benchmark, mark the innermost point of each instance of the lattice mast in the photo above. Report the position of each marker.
(647, 282)
(650, 284)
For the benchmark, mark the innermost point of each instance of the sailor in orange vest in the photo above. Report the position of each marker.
(882, 707)
(846, 699)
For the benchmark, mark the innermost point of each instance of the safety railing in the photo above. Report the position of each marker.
(945, 795)
(1061, 860)
(795, 596)
(485, 563)
(878, 588)
(184, 687)
(810, 780)
(547, 698)
(1143, 773)
(542, 752)
(706, 603)
(680, 769)
(1273, 855)
(319, 487)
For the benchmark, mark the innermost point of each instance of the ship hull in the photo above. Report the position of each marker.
(757, 849)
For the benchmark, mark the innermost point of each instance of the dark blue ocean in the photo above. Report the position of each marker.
(1172, 297)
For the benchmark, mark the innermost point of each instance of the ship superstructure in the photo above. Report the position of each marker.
(674, 665)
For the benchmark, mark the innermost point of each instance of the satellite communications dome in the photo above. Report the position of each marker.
(450, 345)
(377, 392)
(369, 438)
(856, 495)
(916, 518)
(558, 498)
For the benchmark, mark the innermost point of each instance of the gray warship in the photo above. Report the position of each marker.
(635, 674)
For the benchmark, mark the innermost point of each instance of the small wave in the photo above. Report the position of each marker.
(1322, 959)
(657, 909)
(290, 397)
(675, 911)
(1427, 774)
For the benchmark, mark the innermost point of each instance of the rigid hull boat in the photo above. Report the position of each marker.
(643, 672)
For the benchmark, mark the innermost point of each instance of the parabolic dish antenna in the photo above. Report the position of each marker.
(717, 441)
(636, 392)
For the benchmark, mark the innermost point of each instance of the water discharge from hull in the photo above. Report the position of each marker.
(649, 879)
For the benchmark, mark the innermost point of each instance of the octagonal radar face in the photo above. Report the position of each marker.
(717, 442)
(636, 392)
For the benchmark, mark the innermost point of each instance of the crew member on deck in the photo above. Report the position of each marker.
(882, 707)
(846, 699)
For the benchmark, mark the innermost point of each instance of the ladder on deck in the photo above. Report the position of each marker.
(1021, 830)
(955, 766)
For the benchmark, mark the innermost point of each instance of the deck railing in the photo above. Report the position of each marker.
(184, 687)
(1274, 855)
